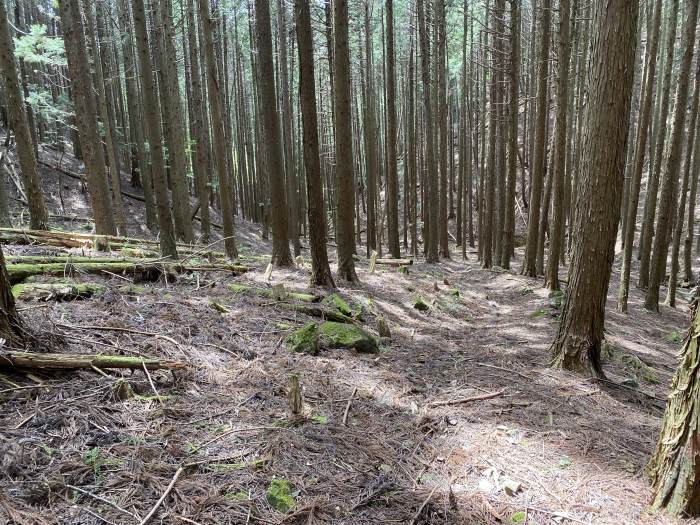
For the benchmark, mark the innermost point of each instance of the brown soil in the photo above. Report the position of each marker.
(550, 448)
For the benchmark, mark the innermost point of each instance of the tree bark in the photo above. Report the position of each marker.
(674, 467)
(320, 270)
(657, 271)
(540, 146)
(155, 142)
(345, 236)
(577, 346)
(85, 114)
(217, 124)
(559, 164)
(17, 116)
(640, 150)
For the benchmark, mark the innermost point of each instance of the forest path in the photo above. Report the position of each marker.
(551, 445)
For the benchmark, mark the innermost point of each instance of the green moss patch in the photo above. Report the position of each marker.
(279, 495)
(337, 302)
(305, 339)
(343, 335)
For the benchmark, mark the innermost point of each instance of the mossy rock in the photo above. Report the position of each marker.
(403, 269)
(305, 339)
(339, 304)
(420, 305)
(279, 495)
(343, 335)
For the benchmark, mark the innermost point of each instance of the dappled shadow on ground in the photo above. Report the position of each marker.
(378, 445)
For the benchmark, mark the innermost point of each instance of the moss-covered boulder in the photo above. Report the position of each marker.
(343, 335)
(305, 339)
(279, 495)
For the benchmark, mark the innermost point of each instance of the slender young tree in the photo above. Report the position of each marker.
(17, 116)
(281, 256)
(85, 113)
(320, 270)
(345, 234)
(577, 345)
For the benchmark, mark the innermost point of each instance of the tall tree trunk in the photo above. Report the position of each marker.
(345, 237)
(85, 113)
(690, 159)
(17, 116)
(431, 239)
(640, 150)
(106, 116)
(151, 106)
(173, 121)
(392, 188)
(513, 107)
(540, 146)
(657, 271)
(201, 161)
(135, 113)
(281, 256)
(218, 134)
(577, 346)
(657, 159)
(560, 139)
(320, 270)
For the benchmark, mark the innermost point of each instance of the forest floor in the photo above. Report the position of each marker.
(377, 447)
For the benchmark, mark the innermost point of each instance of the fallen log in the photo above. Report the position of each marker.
(55, 291)
(138, 246)
(48, 361)
(270, 293)
(395, 262)
(142, 270)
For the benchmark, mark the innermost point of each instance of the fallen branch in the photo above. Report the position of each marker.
(48, 361)
(162, 498)
(467, 399)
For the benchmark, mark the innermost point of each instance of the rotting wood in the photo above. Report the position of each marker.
(145, 269)
(50, 361)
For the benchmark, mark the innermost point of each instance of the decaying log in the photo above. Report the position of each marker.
(32, 360)
(143, 270)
